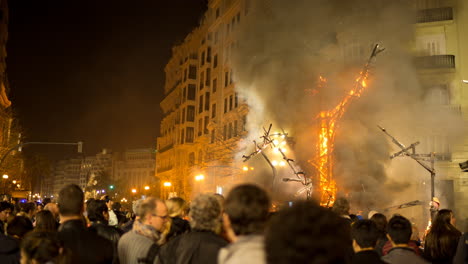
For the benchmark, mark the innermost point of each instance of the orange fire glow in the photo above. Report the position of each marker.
(328, 122)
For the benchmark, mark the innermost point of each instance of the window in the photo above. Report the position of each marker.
(191, 92)
(208, 54)
(184, 94)
(230, 103)
(217, 12)
(205, 128)
(225, 132)
(202, 80)
(203, 58)
(185, 74)
(183, 115)
(215, 61)
(226, 79)
(244, 123)
(208, 77)
(200, 126)
(200, 104)
(189, 135)
(238, 17)
(207, 101)
(236, 100)
(215, 85)
(225, 105)
(190, 113)
(213, 110)
(191, 158)
(230, 130)
(182, 136)
(193, 72)
(200, 157)
(231, 79)
(235, 129)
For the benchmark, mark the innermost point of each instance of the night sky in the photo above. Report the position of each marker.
(93, 70)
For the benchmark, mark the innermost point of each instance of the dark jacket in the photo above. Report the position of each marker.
(85, 246)
(9, 250)
(367, 257)
(461, 257)
(192, 248)
(179, 226)
(108, 232)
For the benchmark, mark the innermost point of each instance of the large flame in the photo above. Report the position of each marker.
(327, 132)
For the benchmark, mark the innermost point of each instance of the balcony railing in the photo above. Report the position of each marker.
(434, 14)
(166, 148)
(436, 62)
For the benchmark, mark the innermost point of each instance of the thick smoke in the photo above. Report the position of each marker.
(284, 46)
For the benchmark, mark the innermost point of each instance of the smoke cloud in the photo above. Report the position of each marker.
(282, 49)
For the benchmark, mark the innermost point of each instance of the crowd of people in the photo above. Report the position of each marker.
(237, 229)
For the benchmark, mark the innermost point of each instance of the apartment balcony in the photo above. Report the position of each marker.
(166, 148)
(435, 62)
(434, 14)
(164, 169)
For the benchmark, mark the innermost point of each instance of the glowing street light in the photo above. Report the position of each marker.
(199, 177)
(147, 187)
(5, 176)
(245, 168)
(134, 190)
(14, 181)
(167, 184)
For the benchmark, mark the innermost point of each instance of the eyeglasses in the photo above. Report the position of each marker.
(162, 217)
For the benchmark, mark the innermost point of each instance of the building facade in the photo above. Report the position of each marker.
(442, 61)
(135, 170)
(203, 116)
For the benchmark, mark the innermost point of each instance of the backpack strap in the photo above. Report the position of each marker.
(151, 255)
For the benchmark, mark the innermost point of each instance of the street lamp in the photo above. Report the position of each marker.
(199, 177)
(147, 187)
(167, 184)
(134, 190)
(5, 176)
(14, 181)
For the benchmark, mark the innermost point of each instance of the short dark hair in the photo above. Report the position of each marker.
(399, 229)
(307, 233)
(248, 207)
(27, 207)
(365, 233)
(19, 226)
(95, 211)
(70, 200)
(381, 222)
(4, 205)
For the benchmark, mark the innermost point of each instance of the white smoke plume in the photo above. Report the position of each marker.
(282, 48)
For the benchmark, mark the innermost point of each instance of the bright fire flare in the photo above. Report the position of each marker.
(328, 122)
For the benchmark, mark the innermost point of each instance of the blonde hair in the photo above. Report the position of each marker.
(176, 207)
